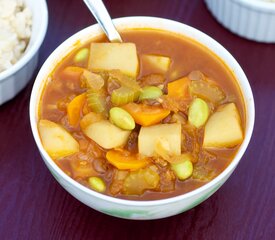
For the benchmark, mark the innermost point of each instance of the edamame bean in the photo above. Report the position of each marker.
(198, 112)
(183, 169)
(81, 55)
(150, 92)
(122, 118)
(97, 184)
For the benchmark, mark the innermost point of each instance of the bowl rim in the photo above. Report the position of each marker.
(159, 23)
(30, 52)
(264, 6)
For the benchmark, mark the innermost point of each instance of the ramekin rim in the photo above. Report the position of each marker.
(264, 6)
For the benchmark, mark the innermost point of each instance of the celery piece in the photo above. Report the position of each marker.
(124, 95)
(95, 101)
(124, 80)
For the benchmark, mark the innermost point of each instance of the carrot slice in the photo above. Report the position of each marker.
(179, 88)
(74, 109)
(124, 160)
(146, 115)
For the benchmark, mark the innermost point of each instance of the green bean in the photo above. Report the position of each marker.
(121, 118)
(184, 168)
(81, 55)
(97, 184)
(150, 92)
(198, 112)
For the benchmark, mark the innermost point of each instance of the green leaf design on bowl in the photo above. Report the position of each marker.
(54, 175)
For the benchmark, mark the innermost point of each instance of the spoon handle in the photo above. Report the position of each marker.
(102, 16)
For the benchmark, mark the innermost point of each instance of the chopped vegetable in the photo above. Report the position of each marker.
(198, 112)
(106, 134)
(196, 75)
(203, 172)
(175, 104)
(179, 88)
(82, 168)
(96, 101)
(159, 63)
(124, 95)
(123, 80)
(206, 90)
(178, 118)
(223, 129)
(160, 134)
(117, 181)
(162, 148)
(92, 81)
(152, 80)
(146, 115)
(122, 118)
(97, 184)
(72, 72)
(74, 109)
(89, 119)
(82, 55)
(139, 181)
(184, 168)
(124, 160)
(56, 140)
(109, 56)
(150, 92)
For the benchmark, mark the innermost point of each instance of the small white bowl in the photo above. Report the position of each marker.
(16, 77)
(251, 19)
(140, 209)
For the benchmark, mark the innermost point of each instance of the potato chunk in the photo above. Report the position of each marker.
(223, 128)
(56, 140)
(139, 181)
(159, 63)
(106, 134)
(109, 56)
(168, 135)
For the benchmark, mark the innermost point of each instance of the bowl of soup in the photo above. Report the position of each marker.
(143, 129)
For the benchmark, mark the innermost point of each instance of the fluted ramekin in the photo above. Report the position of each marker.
(14, 79)
(251, 19)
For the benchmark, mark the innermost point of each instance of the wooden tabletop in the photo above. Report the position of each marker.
(34, 206)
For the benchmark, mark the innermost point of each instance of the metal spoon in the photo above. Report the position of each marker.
(102, 16)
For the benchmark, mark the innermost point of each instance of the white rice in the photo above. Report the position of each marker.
(15, 31)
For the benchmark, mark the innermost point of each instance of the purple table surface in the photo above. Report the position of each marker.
(34, 206)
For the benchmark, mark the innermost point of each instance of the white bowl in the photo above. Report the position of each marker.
(251, 19)
(16, 77)
(140, 209)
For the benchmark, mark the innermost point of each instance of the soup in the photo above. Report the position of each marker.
(154, 117)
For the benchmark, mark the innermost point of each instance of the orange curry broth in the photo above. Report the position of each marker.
(186, 55)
